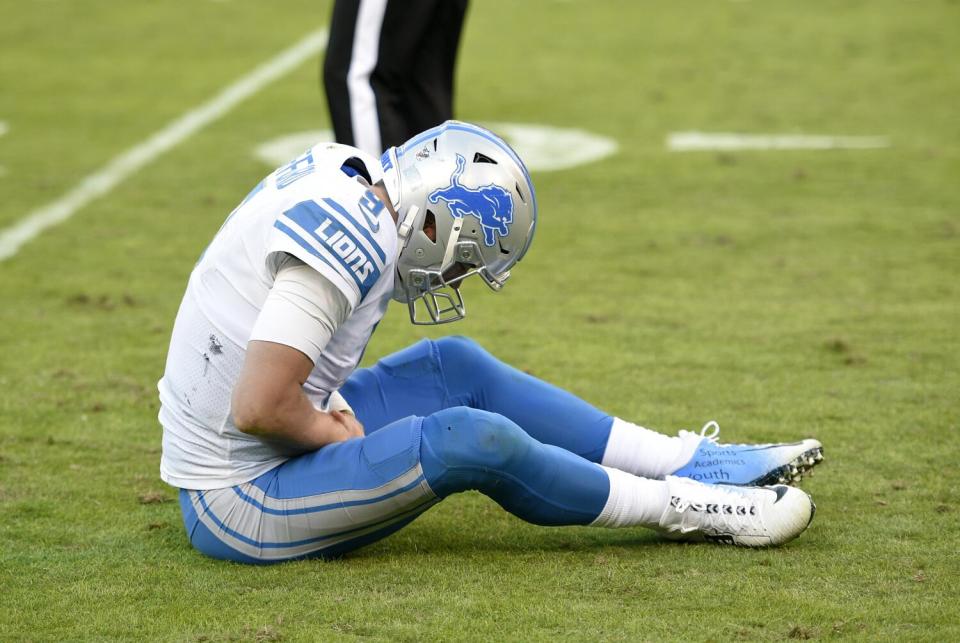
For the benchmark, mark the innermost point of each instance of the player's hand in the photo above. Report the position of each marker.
(351, 425)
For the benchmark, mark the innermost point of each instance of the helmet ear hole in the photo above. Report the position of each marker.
(430, 226)
(516, 186)
(483, 158)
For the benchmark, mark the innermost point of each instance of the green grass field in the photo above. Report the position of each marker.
(783, 293)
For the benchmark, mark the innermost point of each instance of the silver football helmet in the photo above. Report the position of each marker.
(466, 206)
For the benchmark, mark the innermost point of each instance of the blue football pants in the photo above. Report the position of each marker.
(441, 417)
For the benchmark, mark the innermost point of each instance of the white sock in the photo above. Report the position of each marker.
(632, 501)
(646, 453)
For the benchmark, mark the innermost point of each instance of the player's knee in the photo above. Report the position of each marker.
(466, 438)
(495, 442)
(463, 353)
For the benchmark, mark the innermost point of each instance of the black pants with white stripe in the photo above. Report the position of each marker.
(389, 68)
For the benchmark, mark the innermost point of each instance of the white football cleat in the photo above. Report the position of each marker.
(733, 515)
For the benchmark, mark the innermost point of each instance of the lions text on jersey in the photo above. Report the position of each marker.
(315, 209)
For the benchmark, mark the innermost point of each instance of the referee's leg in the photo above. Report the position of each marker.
(336, 66)
(428, 96)
(388, 68)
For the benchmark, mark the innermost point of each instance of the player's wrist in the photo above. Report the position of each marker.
(350, 423)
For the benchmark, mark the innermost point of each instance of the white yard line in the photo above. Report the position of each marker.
(129, 162)
(698, 141)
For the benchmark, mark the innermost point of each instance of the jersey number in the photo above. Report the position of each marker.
(297, 168)
(371, 207)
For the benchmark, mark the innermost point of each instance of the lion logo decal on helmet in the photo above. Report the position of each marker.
(491, 204)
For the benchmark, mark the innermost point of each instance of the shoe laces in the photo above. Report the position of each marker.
(727, 511)
(710, 431)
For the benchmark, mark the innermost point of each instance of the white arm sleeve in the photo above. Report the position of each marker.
(302, 310)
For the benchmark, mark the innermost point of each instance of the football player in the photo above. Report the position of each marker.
(283, 448)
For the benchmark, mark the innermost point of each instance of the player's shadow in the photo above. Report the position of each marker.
(512, 541)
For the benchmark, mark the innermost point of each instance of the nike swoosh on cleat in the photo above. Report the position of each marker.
(781, 491)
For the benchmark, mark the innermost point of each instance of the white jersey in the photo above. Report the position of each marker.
(311, 209)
